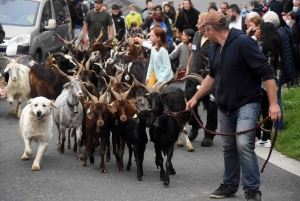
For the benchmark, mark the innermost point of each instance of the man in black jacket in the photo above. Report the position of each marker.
(277, 7)
(236, 69)
(76, 17)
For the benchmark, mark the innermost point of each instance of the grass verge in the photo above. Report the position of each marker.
(288, 140)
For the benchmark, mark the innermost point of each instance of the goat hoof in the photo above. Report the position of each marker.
(167, 182)
(139, 178)
(120, 169)
(102, 170)
(191, 150)
(83, 162)
(172, 172)
(180, 145)
(92, 159)
(128, 168)
(162, 178)
(107, 160)
(80, 157)
(13, 112)
(68, 145)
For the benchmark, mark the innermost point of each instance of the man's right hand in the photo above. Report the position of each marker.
(84, 40)
(191, 103)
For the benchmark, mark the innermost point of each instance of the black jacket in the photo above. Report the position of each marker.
(198, 62)
(187, 19)
(277, 7)
(119, 23)
(238, 70)
(76, 13)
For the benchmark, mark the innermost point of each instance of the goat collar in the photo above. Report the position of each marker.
(73, 108)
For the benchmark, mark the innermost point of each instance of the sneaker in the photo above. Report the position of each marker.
(223, 191)
(253, 196)
(267, 144)
(206, 142)
(260, 143)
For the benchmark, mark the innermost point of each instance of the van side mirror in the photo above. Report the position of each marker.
(51, 24)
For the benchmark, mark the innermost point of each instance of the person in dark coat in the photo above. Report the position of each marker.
(256, 8)
(277, 7)
(119, 21)
(187, 18)
(198, 64)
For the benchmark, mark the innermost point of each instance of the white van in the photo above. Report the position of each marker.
(32, 27)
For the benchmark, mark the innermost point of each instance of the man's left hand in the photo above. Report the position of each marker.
(275, 112)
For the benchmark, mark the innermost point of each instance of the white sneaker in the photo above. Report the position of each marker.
(260, 143)
(267, 144)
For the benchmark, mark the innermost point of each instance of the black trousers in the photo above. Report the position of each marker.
(212, 116)
(264, 111)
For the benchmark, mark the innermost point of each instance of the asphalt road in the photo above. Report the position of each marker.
(62, 177)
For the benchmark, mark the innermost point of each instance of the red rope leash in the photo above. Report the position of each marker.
(169, 113)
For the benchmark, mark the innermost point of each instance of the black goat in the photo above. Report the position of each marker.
(136, 136)
(164, 133)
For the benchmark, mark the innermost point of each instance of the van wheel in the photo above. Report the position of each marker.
(37, 56)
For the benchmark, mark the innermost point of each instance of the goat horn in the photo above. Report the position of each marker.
(93, 98)
(24, 56)
(116, 95)
(108, 88)
(128, 91)
(61, 72)
(119, 77)
(72, 41)
(194, 76)
(101, 35)
(81, 67)
(94, 72)
(88, 63)
(9, 59)
(138, 84)
(65, 41)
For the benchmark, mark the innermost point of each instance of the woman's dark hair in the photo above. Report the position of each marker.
(189, 32)
(158, 7)
(212, 7)
(294, 16)
(272, 44)
(157, 17)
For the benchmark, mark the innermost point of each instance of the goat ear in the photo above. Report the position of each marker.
(146, 95)
(66, 85)
(7, 69)
(112, 108)
(53, 105)
(90, 113)
(132, 108)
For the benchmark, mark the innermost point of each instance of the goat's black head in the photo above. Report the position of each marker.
(144, 118)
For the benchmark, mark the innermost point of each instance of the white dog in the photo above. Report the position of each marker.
(36, 124)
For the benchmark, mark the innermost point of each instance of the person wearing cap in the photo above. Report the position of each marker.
(133, 16)
(95, 19)
(236, 69)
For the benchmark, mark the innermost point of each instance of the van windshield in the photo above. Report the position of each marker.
(18, 13)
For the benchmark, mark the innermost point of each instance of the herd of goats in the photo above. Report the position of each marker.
(102, 84)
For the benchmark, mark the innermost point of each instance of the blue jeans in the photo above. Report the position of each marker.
(239, 150)
(280, 123)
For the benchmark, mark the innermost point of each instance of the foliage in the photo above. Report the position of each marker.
(288, 140)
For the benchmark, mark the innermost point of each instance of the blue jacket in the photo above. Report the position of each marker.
(289, 59)
(238, 69)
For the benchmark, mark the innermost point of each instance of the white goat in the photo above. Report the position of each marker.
(69, 114)
(18, 86)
